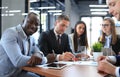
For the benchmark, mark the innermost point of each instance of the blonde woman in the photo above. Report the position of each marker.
(109, 38)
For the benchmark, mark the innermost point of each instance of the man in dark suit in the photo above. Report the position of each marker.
(54, 43)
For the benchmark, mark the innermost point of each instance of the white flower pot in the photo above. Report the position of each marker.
(97, 54)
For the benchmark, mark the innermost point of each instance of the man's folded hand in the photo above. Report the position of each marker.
(34, 60)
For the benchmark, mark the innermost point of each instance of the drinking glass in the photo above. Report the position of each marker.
(83, 52)
(108, 52)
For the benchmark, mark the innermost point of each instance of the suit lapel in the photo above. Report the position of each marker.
(53, 39)
(23, 39)
(53, 36)
(30, 45)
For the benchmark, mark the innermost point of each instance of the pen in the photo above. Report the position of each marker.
(53, 52)
(108, 75)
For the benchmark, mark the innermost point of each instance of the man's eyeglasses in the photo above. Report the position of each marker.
(105, 24)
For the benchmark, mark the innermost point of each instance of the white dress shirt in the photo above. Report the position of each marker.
(112, 59)
(108, 41)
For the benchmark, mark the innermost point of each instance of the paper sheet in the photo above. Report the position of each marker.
(90, 63)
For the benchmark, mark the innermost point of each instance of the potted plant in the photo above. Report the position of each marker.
(97, 47)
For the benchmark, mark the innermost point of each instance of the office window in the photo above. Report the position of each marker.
(93, 28)
(43, 22)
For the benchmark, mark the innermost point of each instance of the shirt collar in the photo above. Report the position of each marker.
(57, 33)
(108, 36)
(22, 32)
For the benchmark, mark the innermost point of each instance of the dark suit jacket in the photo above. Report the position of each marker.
(116, 47)
(47, 42)
(118, 60)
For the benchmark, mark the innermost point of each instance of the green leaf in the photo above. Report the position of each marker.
(97, 46)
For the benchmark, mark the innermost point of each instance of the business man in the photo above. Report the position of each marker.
(54, 43)
(106, 63)
(18, 49)
(114, 8)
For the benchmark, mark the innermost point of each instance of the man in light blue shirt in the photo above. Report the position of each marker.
(18, 49)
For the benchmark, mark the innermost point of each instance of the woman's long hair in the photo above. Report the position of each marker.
(83, 38)
(113, 32)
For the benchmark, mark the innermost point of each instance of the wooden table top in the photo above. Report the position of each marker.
(69, 71)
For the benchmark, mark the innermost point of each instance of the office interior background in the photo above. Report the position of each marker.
(92, 12)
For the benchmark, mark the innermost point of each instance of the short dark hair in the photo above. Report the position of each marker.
(32, 13)
(29, 14)
(63, 17)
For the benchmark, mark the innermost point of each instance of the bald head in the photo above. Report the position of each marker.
(31, 23)
(32, 16)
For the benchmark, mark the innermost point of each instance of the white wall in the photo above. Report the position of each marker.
(72, 11)
(9, 21)
(75, 16)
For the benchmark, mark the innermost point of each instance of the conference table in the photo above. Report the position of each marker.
(73, 70)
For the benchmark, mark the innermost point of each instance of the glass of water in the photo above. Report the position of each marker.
(108, 52)
(83, 52)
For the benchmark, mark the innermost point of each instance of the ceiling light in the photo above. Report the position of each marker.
(24, 14)
(49, 7)
(11, 14)
(14, 11)
(98, 6)
(4, 7)
(33, 0)
(57, 14)
(4, 14)
(98, 13)
(54, 10)
(99, 9)
(35, 11)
